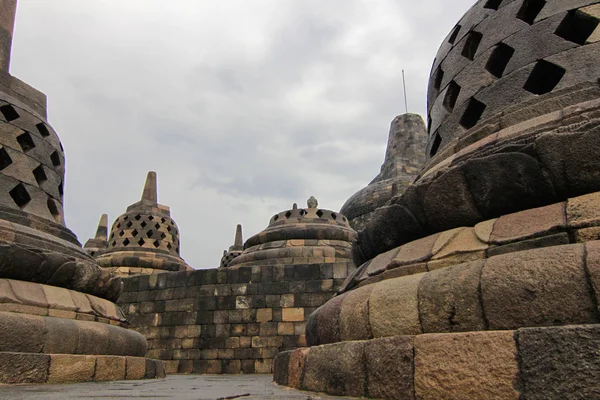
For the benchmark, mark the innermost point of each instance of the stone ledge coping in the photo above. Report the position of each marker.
(53, 335)
(142, 258)
(536, 363)
(45, 300)
(551, 286)
(577, 219)
(28, 368)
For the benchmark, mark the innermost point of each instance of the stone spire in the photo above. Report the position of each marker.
(8, 10)
(150, 193)
(99, 243)
(238, 243)
(102, 230)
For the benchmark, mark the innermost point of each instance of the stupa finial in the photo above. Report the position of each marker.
(150, 189)
(102, 230)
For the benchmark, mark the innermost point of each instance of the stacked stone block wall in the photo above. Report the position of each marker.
(228, 320)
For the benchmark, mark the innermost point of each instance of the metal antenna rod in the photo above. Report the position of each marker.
(404, 85)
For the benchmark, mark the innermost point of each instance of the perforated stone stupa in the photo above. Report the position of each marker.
(145, 239)
(58, 322)
(490, 261)
(404, 158)
(301, 236)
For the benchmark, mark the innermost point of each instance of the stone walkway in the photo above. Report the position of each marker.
(192, 387)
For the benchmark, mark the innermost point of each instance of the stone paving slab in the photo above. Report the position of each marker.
(183, 387)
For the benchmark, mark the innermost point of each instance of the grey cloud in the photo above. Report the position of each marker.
(242, 110)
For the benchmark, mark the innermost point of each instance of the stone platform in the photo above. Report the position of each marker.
(183, 387)
(501, 365)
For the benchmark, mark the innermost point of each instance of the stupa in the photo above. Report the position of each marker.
(58, 322)
(482, 280)
(301, 236)
(143, 240)
(235, 250)
(404, 158)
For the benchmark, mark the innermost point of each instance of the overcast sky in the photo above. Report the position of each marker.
(243, 107)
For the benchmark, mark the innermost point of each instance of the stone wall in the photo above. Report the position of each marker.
(233, 320)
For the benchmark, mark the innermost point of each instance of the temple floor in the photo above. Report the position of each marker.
(197, 387)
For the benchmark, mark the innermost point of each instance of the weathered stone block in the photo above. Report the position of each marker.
(338, 369)
(476, 365)
(21, 333)
(394, 308)
(71, 368)
(354, 315)
(136, 368)
(529, 223)
(584, 211)
(449, 299)
(537, 288)
(23, 368)
(560, 362)
(324, 327)
(110, 368)
(62, 336)
(296, 367)
(390, 367)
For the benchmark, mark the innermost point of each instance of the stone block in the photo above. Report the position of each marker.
(587, 234)
(232, 367)
(448, 202)
(540, 287)
(172, 367)
(505, 183)
(449, 299)
(150, 369)
(31, 294)
(281, 368)
(21, 333)
(16, 368)
(394, 308)
(66, 368)
(263, 366)
(264, 315)
(110, 368)
(293, 314)
(323, 325)
(296, 367)
(390, 367)
(62, 336)
(584, 211)
(93, 338)
(560, 362)
(136, 368)
(81, 302)
(476, 365)
(557, 239)
(416, 251)
(59, 298)
(593, 268)
(354, 315)
(405, 270)
(338, 369)
(529, 223)
(6, 293)
(285, 328)
(464, 242)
